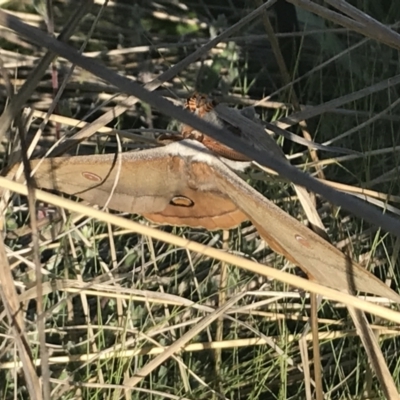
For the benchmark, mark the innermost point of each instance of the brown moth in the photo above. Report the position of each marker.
(184, 184)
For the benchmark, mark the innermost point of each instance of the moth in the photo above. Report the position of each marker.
(185, 184)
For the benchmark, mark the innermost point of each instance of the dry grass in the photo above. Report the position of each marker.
(111, 307)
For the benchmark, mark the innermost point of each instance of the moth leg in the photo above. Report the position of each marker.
(189, 133)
